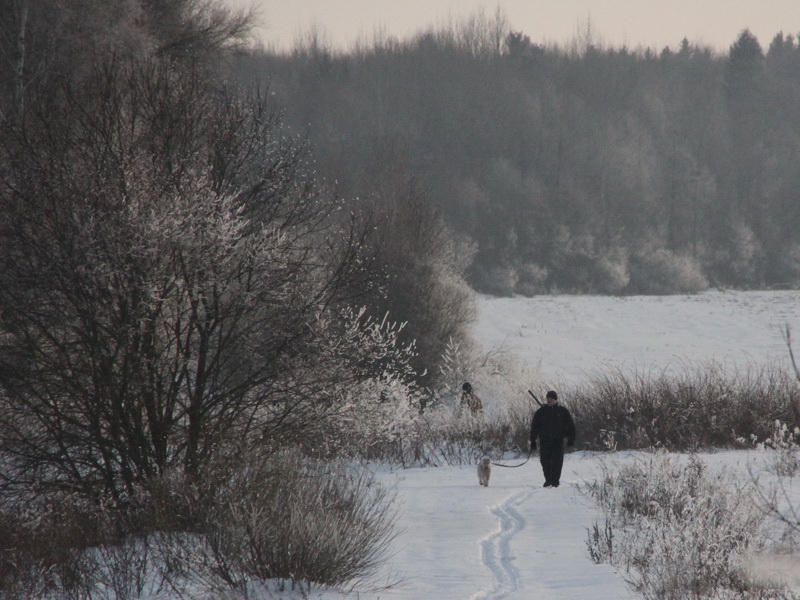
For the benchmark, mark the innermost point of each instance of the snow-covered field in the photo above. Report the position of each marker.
(517, 540)
(568, 337)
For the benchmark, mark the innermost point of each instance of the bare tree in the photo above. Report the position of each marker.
(424, 261)
(165, 284)
(20, 12)
(44, 43)
(195, 28)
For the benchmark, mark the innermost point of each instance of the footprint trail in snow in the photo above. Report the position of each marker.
(496, 548)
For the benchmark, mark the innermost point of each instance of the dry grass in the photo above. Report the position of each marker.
(701, 406)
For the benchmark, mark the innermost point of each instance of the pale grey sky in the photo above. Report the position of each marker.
(655, 23)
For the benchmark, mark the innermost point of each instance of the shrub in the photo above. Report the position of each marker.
(259, 516)
(582, 262)
(784, 442)
(660, 271)
(46, 544)
(532, 279)
(613, 271)
(289, 517)
(678, 530)
(497, 280)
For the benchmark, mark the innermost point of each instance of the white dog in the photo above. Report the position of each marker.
(484, 471)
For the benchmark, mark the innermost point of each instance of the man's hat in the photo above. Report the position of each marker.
(551, 394)
(466, 387)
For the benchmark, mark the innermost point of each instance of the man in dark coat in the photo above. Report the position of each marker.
(552, 425)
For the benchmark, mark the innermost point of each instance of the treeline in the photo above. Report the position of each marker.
(573, 169)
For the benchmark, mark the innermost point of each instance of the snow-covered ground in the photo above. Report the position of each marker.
(515, 539)
(568, 337)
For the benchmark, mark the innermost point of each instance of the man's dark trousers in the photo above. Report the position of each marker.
(551, 455)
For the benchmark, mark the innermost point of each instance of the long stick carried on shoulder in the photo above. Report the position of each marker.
(535, 398)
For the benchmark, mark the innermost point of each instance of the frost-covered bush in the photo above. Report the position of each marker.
(532, 279)
(613, 271)
(60, 545)
(661, 271)
(497, 280)
(738, 263)
(679, 530)
(442, 433)
(259, 516)
(582, 262)
(371, 394)
(421, 262)
(783, 443)
(284, 516)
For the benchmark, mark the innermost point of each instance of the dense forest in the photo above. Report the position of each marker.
(574, 169)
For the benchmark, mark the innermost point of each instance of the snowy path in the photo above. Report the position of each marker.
(513, 540)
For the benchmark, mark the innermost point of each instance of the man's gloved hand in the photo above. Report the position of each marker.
(533, 445)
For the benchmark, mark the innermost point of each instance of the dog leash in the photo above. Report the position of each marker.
(513, 466)
(529, 455)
